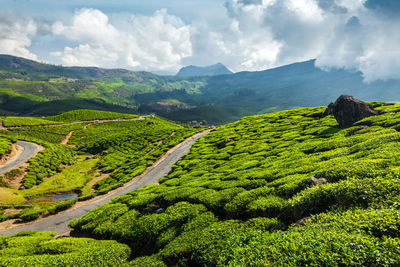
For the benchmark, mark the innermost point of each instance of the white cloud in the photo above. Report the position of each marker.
(307, 10)
(266, 33)
(152, 42)
(16, 34)
(242, 41)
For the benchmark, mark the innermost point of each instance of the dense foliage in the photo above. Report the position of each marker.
(234, 199)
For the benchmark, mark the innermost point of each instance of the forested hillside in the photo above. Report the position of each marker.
(32, 88)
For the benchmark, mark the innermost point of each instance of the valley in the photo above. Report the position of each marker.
(31, 88)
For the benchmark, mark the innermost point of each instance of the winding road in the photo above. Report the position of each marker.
(59, 222)
(29, 150)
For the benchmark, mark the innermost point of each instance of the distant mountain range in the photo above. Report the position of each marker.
(29, 87)
(213, 70)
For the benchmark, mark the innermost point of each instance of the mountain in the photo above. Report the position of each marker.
(29, 87)
(33, 88)
(213, 70)
(296, 85)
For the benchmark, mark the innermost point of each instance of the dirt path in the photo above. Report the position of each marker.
(27, 151)
(158, 144)
(67, 137)
(59, 222)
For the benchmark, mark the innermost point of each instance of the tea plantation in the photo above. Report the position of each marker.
(104, 151)
(244, 196)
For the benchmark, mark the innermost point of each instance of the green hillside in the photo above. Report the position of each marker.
(235, 198)
(32, 88)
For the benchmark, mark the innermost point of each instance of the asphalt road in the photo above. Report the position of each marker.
(59, 223)
(29, 150)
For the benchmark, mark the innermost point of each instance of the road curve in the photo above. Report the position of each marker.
(29, 150)
(59, 222)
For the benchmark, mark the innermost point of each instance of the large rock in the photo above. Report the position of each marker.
(347, 110)
(316, 181)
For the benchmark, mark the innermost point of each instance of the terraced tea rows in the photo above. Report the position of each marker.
(101, 155)
(244, 196)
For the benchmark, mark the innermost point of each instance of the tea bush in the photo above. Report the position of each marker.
(41, 249)
(47, 163)
(5, 146)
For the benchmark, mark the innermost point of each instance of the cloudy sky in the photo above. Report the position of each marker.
(164, 35)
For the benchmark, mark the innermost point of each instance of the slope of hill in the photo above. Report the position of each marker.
(213, 70)
(38, 70)
(27, 87)
(251, 193)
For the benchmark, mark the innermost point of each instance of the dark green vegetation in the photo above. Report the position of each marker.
(41, 249)
(28, 87)
(105, 150)
(235, 198)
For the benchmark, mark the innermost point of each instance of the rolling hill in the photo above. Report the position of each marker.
(28, 87)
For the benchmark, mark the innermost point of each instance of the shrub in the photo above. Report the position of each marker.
(63, 205)
(27, 215)
(39, 249)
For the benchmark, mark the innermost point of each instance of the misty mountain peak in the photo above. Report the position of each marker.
(213, 70)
